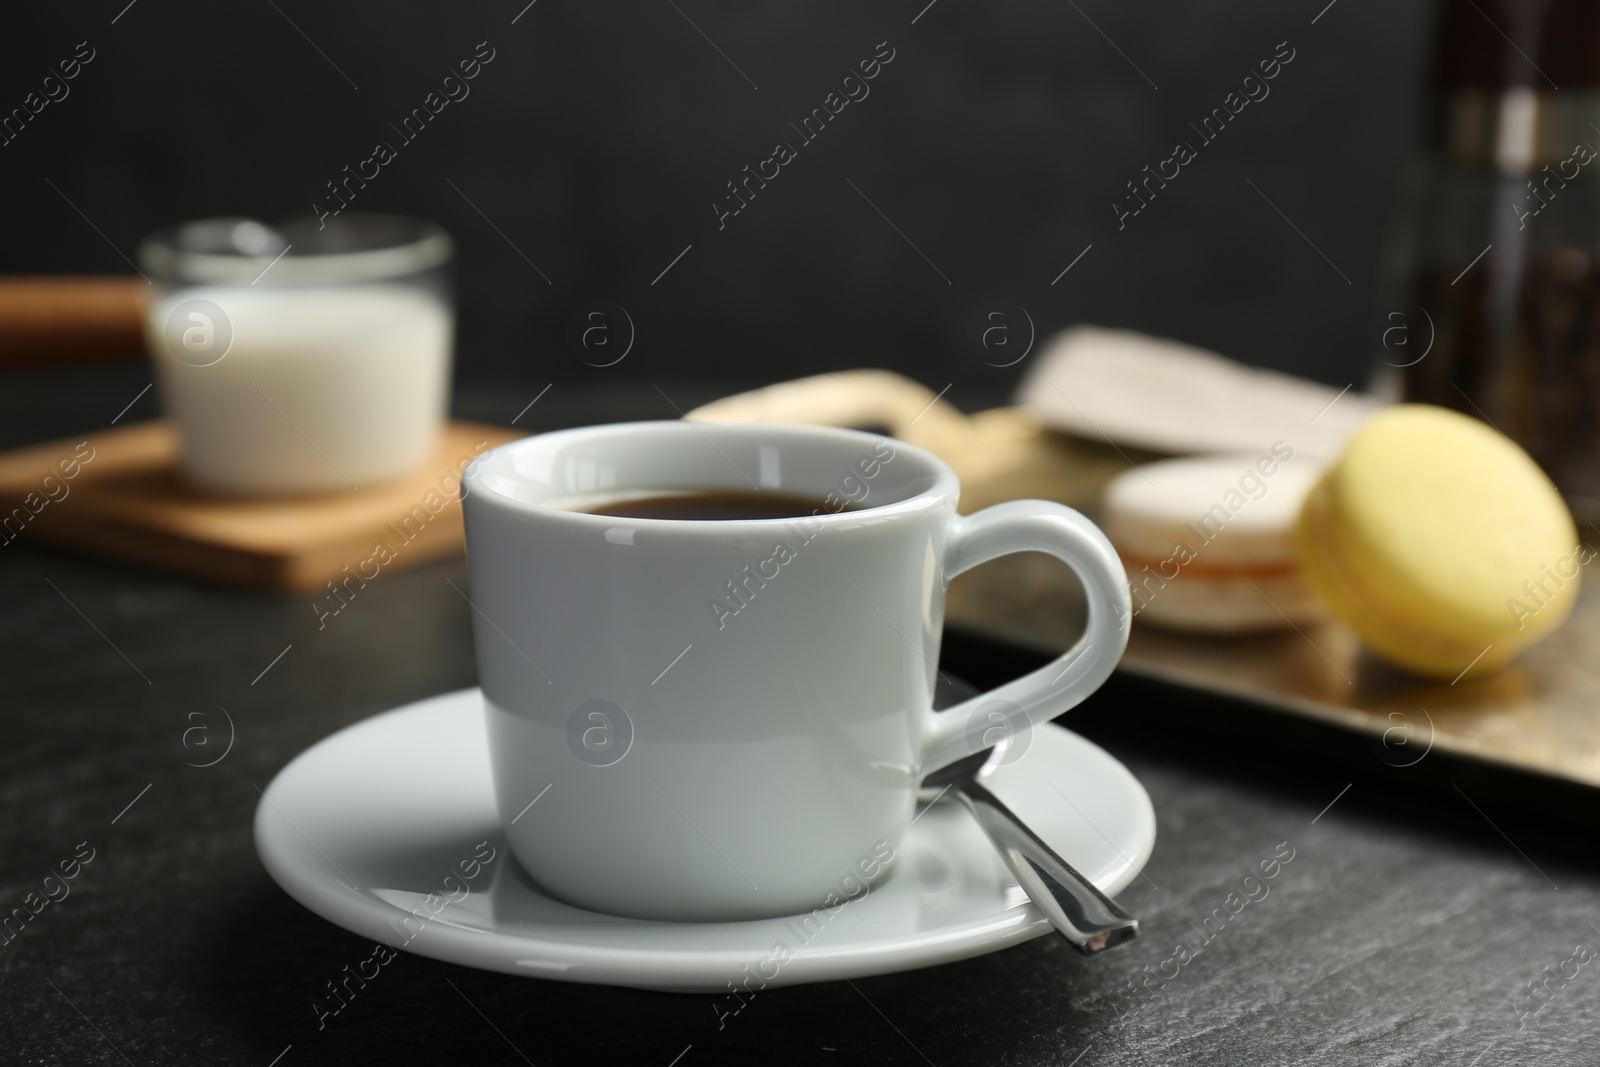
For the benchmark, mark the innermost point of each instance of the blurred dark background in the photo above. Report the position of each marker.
(597, 140)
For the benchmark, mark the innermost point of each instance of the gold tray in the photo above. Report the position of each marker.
(1542, 714)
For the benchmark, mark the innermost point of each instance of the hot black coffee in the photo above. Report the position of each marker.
(715, 505)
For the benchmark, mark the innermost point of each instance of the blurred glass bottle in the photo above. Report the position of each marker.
(1497, 258)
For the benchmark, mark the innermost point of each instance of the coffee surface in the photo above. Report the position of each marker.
(714, 505)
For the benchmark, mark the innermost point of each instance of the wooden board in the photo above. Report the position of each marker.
(117, 494)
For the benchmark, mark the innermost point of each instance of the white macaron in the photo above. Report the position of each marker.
(1208, 541)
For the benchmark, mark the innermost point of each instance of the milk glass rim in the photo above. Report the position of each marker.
(425, 247)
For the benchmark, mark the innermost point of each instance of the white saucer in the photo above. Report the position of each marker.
(377, 824)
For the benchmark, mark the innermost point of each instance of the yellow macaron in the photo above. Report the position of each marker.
(1440, 542)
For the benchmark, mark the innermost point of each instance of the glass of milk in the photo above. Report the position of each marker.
(307, 356)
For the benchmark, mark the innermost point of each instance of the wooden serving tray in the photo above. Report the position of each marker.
(127, 502)
(1541, 714)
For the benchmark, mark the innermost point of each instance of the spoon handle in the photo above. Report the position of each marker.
(1092, 921)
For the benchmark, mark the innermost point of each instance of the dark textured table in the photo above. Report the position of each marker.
(1437, 913)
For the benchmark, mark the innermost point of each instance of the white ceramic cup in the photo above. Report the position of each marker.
(719, 720)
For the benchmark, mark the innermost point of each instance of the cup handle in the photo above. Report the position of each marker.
(1041, 695)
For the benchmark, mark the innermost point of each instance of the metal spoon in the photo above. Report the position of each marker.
(1092, 921)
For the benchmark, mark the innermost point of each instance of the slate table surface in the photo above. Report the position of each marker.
(1438, 912)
